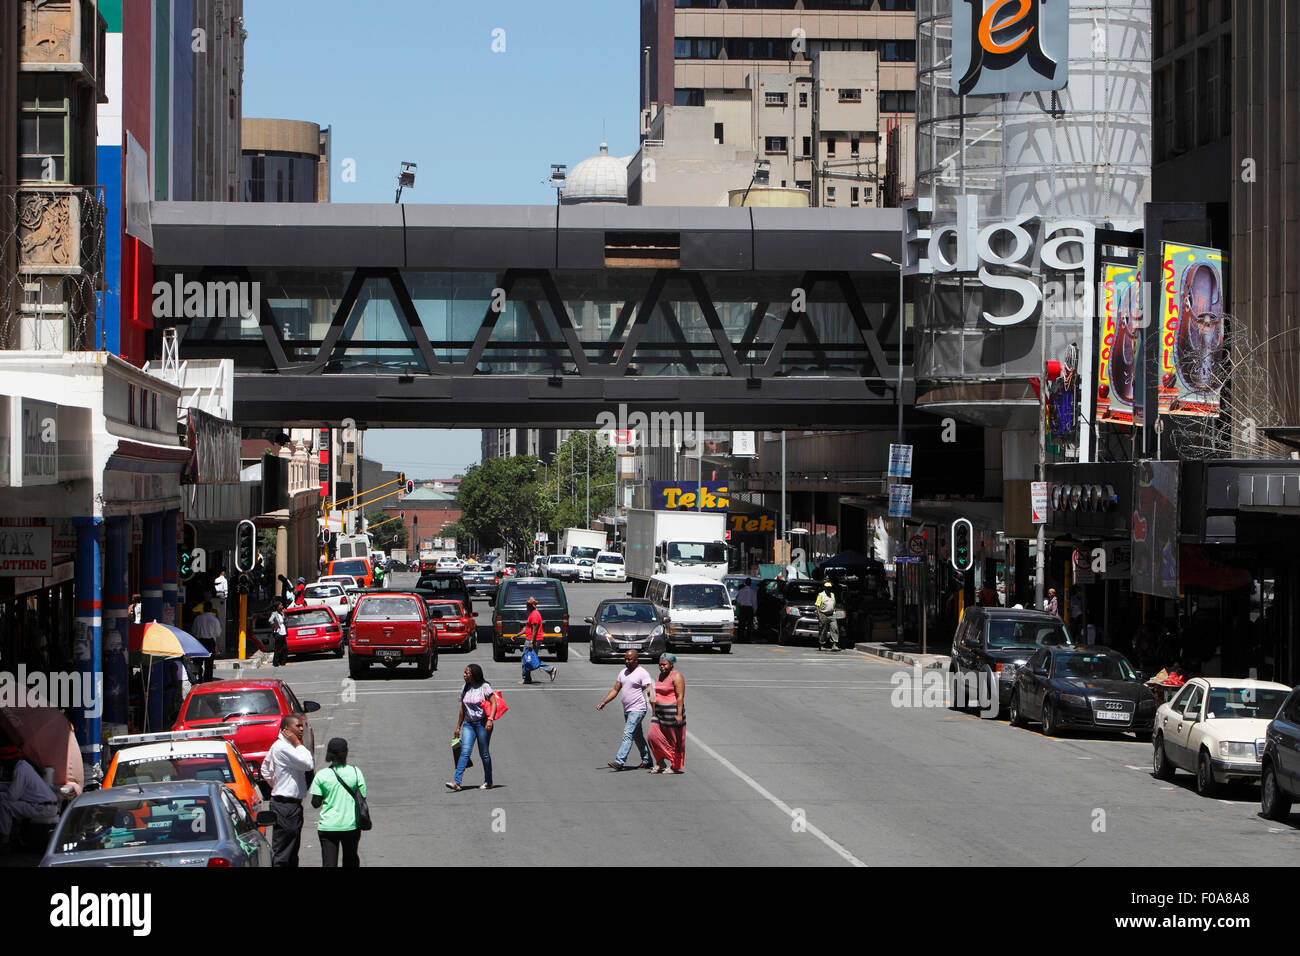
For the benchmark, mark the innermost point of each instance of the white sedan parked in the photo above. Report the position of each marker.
(609, 567)
(1214, 728)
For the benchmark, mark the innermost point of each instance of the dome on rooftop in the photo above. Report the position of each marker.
(601, 178)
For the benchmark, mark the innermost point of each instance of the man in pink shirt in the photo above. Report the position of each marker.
(533, 642)
(632, 683)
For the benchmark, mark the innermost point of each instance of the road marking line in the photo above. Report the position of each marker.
(1143, 769)
(774, 800)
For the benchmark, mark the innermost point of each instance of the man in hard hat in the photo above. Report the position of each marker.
(828, 628)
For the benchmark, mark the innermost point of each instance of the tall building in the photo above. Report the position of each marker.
(811, 88)
(285, 161)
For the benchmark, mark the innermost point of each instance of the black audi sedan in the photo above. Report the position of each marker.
(1082, 687)
(623, 624)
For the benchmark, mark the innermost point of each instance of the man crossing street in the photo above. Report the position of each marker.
(746, 608)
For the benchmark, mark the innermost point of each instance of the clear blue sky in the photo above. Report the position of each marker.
(418, 81)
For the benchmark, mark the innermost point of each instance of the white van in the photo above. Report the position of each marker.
(695, 610)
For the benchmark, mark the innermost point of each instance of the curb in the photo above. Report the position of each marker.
(926, 662)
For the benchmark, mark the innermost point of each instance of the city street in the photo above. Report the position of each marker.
(793, 758)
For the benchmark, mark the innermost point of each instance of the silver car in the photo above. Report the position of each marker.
(623, 624)
(180, 823)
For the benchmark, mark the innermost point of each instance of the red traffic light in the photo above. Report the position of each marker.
(410, 486)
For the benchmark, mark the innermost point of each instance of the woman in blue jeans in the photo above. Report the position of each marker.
(474, 725)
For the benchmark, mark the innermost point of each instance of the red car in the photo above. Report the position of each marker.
(453, 625)
(391, 628)
(254, 706)
(309, 629)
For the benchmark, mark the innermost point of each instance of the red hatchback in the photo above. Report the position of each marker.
(453, 625)
(254, 706)
(309, 629)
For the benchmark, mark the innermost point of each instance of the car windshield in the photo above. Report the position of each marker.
(136, 823)
(561, 559)
(696, 552)
(626, 613)
(475, 568)
(576, 552)
(389, 609)
(214, 766)
(546, 593)
(353, 568)
(1024, 633)
(802, 593)
(219, 704)
(610, 559)
(1230, 702)
(316, 617)
(699, 596)
(1093, 667)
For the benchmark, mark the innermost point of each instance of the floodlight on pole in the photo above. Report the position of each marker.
(405, 179)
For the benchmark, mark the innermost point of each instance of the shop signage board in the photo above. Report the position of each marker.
(1004, 46)
(688, 496)
(742, 445)
(900, 461)
(26, 552)
(1038, 501)
(1193, 360)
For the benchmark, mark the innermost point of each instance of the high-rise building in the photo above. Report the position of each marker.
(285, 161)
(808, 92)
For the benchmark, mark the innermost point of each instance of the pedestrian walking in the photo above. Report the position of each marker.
(746, 608)
(279, 634)
(300, 593)
(207, 631)
(533, 642)
(285, 768)
(335, 793)
(221, 585)
(259, 578)
(667, 737)
(474, 725)
(1050, 605)
(828, 629)
(323, 563)
(632, 683)
(378, 575)
(135, 609)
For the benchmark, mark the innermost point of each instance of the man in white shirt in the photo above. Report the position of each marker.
(279, 634)
(23, 794)
(220, 585)
(285, 769)
(207, 631)
(746, 608)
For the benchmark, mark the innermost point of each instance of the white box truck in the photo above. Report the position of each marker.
(581, 543)
(663, 542)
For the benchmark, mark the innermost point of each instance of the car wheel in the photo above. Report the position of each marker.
(591, 655)
(1272, 804)
(562, 653)
(726, 648)
(1050, 727)
(1017, 716)
(956, 701)
(357, 667)
(1161, 767)
(994, 708)
(1143, 736)
(424, 667)
(1206, 785)
(782, 637)
(338, 651)
(498, 652)
(435, 658)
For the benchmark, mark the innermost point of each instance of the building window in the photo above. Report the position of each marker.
(774, 144)
(853, 195)
(898, 101)
(830, 146)
(774, 99)
(130, 404)
(697, 48)
(758, 48)
(853, 146)
(807, 147)
(717, 133)
(830, 195)
(851, 96)
(898, 51)
(688, 97)
(803, 99)
(43, 128)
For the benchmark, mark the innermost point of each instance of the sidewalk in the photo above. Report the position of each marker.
(909, 654)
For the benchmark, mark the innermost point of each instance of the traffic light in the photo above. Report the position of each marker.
(188, 543)
(245, 545)
(962, 554)
(410, 487)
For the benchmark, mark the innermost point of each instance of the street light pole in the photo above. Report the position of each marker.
(898, 541)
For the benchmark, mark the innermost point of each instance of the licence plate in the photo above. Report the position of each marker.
(702, 639)
(306, 631)
(629, 647)
(388, 655)
(1113, 715)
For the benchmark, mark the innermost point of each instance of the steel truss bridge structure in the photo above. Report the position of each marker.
(493, 316)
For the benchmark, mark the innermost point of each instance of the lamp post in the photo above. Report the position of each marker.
(898, 571)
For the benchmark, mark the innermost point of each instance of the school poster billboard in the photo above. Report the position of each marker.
(1119, 360)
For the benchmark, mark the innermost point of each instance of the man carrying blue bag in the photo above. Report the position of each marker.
(533, 641)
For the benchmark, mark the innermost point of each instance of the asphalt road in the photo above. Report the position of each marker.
(793, 758)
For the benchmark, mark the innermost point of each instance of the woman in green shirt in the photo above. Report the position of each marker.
(338, 808)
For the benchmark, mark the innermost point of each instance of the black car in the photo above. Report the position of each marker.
(623, 624)
(511, 612)
(990, 643)
(445, 584)
(1082, 686)
(787, 610)
(1279, 782)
